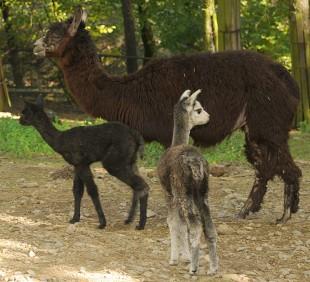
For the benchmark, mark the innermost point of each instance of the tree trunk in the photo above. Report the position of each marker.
(130, 37)
(228, 15)
(300, 52)
(211, 27)
(13, 57)
(146, 32)
(4, 94)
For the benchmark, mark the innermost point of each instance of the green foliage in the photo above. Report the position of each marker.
(265, 28)
(152, 154)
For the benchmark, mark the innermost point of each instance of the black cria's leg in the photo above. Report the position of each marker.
(264, 160)
(133, 207)
(92, 190)
(129, 175)
(143, 212)
(78, 191)
(290, 174)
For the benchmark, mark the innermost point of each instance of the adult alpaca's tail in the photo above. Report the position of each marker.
(283, 74)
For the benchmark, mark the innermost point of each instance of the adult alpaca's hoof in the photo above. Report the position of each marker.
(102, 226)
(74, 220)
(139, 227)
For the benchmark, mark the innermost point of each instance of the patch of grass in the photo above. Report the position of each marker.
(25, 142)
(300, 145)
(304, 127)
(230, 150)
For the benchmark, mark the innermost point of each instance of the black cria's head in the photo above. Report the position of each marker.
(59, 36)
(32, 112)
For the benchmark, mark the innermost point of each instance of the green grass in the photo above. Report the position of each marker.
(25, 142)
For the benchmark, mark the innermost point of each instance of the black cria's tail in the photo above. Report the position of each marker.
(140, 142)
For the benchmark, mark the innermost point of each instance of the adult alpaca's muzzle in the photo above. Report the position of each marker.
(39, 48)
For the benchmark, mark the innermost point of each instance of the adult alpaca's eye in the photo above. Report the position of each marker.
(199, 111)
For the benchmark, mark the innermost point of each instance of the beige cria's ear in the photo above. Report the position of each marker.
(79, 16)
(193, 97)
(185, 95)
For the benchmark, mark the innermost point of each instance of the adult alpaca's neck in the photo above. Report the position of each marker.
(47, 130)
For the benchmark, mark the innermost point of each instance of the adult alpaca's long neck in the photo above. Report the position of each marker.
(130, 99)
(47, 130)
(97, 93)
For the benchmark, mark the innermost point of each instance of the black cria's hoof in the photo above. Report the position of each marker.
(74, 220)
(128, 221)
(138, 227)
(241, 215)
(102, 226)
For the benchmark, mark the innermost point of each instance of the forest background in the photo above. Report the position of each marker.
(128, 33)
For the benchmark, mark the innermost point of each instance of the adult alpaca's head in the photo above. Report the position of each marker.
(58, 40)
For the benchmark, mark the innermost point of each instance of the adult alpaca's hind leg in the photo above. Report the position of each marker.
(130, 176)
(268, 162)
(264, 160)
(290, 174)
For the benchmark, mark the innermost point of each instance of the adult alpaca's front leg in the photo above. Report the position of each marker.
(78, 191)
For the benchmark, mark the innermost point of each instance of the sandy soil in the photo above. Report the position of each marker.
(38, 244)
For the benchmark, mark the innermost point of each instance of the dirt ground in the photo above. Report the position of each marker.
(38, 244)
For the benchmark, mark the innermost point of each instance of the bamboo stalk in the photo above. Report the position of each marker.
(300, 55)
(229, 24)
(4, 94)
(211, 26)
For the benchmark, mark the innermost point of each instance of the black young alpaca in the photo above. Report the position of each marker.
(115, 145)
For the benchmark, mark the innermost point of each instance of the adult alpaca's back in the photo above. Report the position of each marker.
(241, 90)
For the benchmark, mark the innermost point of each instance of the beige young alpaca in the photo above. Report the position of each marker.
(183, 173)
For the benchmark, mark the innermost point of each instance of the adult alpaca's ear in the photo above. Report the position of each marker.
(79, 16)
(40, 101)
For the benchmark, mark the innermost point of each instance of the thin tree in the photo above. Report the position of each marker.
(13, 57)
(210, 26)
(4, 94)
(147, 35)
(228, 15)
(130, 37)
(300, 52)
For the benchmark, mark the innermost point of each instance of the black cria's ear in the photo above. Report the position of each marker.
(40, 101)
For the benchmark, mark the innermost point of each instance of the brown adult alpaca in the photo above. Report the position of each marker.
(241, 90)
